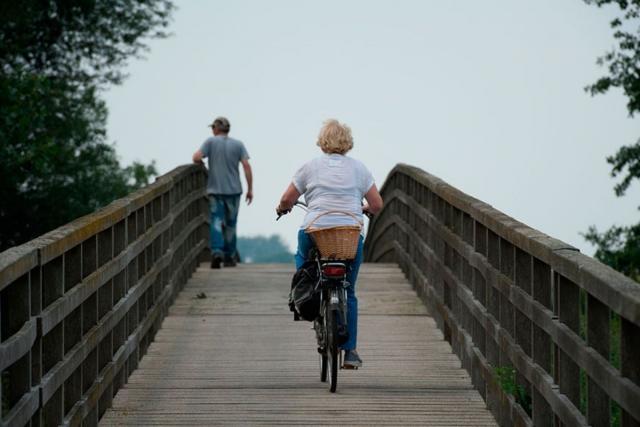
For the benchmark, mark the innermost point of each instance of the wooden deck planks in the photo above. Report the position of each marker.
(237, 358)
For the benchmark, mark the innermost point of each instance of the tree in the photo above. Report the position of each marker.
(619, 246)
(56, 56)
(264, 249)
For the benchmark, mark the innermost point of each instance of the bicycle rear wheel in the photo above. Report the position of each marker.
(320, 327)
(323, 367)
(332, 348)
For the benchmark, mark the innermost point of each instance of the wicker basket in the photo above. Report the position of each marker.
(339, 242)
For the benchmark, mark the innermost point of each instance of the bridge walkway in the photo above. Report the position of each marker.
(236, 357)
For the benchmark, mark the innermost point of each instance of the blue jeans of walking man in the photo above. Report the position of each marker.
(224, 216)
(304, 245)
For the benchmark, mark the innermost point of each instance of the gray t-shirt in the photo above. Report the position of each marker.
(224, 154)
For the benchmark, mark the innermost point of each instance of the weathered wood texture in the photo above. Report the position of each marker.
(508, 296)
(80, 305)
(237, 358)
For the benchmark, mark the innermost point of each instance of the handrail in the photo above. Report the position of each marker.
(512, 299)
(80, 304)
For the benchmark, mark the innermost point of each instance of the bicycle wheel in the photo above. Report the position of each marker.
(332, 348)
(323, 367)
(320, 328)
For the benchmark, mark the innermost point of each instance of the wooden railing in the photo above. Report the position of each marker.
(548, 335)
(80, 305)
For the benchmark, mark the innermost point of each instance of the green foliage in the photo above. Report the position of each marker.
(506, 376)
(264, 249)
(85, 42)
(619, 246)
(622, 63)
(56, 57)
(614, 357)
(627, 158)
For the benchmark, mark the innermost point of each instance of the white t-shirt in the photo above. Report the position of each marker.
(333, 182)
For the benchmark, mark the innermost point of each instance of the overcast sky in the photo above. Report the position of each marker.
(486, 95)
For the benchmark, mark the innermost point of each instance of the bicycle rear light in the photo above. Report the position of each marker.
(334, 270)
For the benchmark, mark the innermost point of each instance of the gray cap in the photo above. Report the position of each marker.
(221, 123)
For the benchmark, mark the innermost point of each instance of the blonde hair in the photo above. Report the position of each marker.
(335, 137)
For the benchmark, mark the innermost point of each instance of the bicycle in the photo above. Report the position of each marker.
(331, 323)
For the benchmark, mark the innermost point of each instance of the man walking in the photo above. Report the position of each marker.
(224, 189)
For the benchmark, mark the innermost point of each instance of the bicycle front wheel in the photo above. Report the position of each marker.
(332, 348)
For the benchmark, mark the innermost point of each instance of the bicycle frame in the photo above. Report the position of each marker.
(333, 295)
(334, 289)
(331, 324)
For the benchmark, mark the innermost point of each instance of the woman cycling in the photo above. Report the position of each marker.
(334, 182)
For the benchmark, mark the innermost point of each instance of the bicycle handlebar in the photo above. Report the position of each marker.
(304, 206)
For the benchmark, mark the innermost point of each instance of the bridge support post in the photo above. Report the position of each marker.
(630, 363)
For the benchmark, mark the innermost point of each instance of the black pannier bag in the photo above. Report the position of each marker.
(304, 298)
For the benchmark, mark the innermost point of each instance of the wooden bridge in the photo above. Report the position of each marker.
(236, 357)
(468, 317)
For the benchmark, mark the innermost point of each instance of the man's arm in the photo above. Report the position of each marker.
(197, 157)
(249, 176)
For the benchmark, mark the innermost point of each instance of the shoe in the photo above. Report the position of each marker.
(215, 261)
(230, 262)
(351, 360)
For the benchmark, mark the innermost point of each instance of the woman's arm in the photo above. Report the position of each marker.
(290, 196)
(374, 201)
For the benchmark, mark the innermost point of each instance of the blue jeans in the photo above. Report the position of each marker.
(224, 216)
(304, 245)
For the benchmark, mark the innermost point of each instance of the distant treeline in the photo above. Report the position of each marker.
(264, 249)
